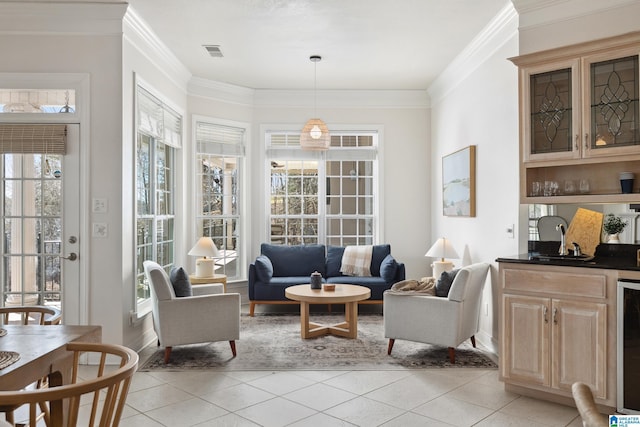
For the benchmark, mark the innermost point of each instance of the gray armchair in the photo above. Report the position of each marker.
(446, 321)
(191, 320)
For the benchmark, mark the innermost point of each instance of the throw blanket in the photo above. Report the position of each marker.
(356, 260)
(424, 286)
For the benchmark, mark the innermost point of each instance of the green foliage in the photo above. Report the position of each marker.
(613, 224)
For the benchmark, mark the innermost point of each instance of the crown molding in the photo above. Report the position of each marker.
(536, 13)
(218, 91)
(140, 35)
(69, 18)
(362, 99)
(293, 98)
(502, 28)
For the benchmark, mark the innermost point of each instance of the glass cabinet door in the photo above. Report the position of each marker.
(552, 112)
(613, 109)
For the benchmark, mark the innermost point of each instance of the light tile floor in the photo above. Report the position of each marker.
(430, 397)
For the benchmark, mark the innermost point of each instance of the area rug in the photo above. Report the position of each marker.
(273, 342)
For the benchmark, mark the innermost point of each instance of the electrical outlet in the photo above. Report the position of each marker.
(100, 229)
(511, 233)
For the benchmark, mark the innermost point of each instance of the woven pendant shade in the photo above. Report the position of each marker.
(315, 136)
(315, 133)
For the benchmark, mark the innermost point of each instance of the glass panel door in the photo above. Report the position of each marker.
(37, 192)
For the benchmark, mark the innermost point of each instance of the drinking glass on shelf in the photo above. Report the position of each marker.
(536, 188)
(569, 187)
(584, 186)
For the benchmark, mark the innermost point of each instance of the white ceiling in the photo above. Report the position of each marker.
(365, 44)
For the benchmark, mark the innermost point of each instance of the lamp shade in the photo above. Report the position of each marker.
(442, 249)
(205, 247)
(315, 136)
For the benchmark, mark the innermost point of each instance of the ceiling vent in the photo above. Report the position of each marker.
(214, 50)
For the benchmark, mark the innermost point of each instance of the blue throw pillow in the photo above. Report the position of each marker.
(264, 268)
(388, 268)
(444, 282)
(180, 281)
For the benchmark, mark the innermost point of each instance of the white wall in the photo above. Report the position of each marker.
(403, 116)
(481, 109)
(162, 74)
(67, 47)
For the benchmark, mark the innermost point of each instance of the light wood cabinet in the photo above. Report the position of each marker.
(557, 326)
(580, 119)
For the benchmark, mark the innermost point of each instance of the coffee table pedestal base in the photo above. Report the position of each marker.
(347, 329)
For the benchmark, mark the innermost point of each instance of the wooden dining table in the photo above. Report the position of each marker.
(42, 351)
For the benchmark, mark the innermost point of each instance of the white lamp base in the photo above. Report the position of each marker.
(440, 266)
(204, 267)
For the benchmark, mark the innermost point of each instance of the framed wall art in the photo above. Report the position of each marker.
(459, 183)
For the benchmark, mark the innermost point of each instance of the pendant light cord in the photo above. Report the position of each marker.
(315, 89)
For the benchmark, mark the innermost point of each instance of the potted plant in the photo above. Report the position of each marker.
(613, 225)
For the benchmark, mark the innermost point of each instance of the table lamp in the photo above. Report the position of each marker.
(206, 249)
(442, 249)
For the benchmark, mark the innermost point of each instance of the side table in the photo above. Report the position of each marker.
(216, 278)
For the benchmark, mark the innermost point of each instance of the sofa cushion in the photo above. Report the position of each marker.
(377, 285)
(180, 281)
(443, 284)
(388, 268)
(300, 260)
(379, 254)
(264, 268)
(334, 259)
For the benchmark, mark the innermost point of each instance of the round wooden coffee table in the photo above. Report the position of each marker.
(349, 295)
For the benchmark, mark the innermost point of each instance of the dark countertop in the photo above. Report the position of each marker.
(607, 256)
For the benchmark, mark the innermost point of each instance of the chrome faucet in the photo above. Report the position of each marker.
(576, 249)
(563, 243)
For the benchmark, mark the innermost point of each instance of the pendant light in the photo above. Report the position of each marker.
(315, 134)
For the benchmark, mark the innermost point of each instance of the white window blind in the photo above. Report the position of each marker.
(157, 119)
(219, 139)
(33, 138)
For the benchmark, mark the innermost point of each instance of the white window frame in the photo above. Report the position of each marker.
(225, 150)
(143, 306)
(334, 153)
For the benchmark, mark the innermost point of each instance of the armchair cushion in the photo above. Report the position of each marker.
(264, 268)
(388, 268)
(443, 285)
(180, 282)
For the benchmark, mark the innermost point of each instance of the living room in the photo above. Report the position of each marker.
(102, 50)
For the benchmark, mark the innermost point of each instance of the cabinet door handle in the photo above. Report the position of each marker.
(545, 312)
(586, 141)
(555, 316)
(577, 142)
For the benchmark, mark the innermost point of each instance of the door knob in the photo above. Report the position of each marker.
(72, 256)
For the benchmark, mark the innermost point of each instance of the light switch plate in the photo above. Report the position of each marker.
(99, 206)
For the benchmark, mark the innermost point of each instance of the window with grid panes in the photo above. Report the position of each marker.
(323, 197)
(159, 135)
(219, 156)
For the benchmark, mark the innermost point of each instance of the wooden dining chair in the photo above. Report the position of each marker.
(31, 314)
(103, 395)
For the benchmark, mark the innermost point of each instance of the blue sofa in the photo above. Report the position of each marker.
(280, 266)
